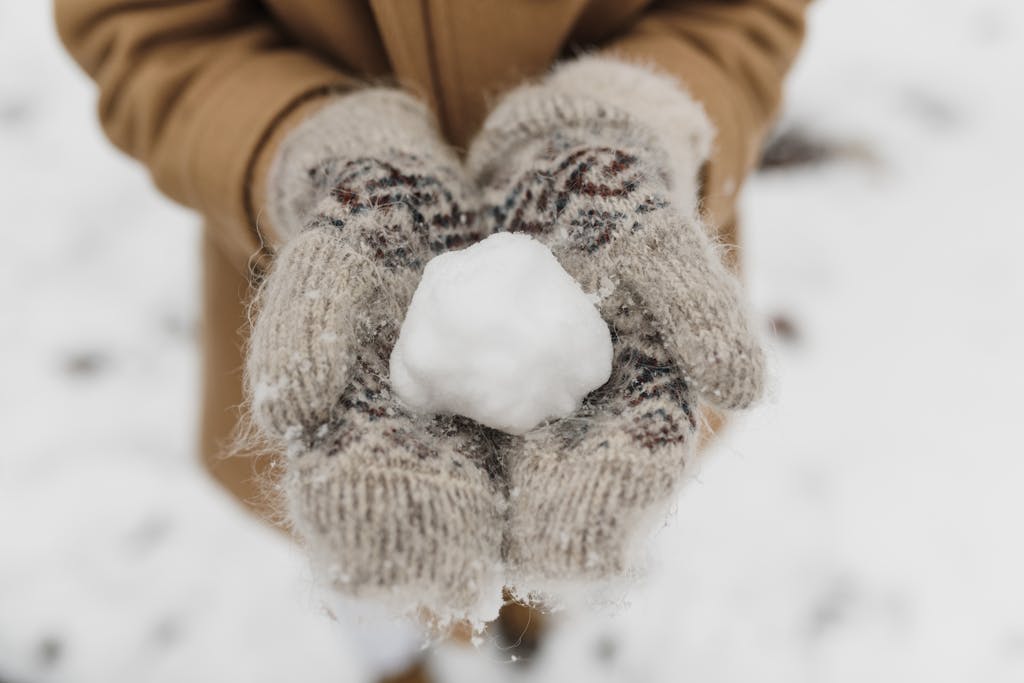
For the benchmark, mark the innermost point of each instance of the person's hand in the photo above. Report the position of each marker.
(575, 162)
(390, 505)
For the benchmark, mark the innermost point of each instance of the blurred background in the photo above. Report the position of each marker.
(866, 525)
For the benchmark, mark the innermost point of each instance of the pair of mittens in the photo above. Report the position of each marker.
(437, 511)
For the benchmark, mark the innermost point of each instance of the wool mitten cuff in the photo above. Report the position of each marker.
(371, 124)
(676, 130)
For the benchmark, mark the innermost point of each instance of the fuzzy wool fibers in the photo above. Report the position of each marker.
(500, 333)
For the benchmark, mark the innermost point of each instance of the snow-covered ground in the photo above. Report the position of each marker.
(865, 526)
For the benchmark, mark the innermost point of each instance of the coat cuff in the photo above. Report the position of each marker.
(234, 123)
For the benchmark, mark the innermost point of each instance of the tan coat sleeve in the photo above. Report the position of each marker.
(732, 55)
(194, 89)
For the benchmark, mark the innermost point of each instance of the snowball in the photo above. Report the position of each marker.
(500, 333)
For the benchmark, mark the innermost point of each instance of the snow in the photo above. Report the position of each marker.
(864, 525)
(387, 641)
(500, 333)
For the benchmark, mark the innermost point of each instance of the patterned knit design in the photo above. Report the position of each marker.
(586, 176)
(390, 505)
(582, 489)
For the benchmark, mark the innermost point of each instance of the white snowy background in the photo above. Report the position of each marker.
(866, 525)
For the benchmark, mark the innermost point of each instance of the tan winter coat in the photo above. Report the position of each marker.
(201, 91)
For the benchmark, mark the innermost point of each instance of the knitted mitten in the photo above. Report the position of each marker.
(364, 193)
(600, 162)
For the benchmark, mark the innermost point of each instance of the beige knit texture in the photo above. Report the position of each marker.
(598, 176)
(391, 506)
